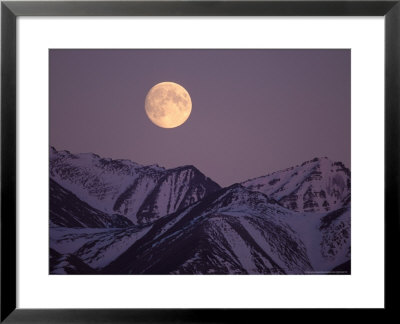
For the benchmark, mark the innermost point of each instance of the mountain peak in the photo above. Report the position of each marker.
(236, 186)
(180, 221)
(316, 159)
(316, 185)
(140, 193)
(187, 167)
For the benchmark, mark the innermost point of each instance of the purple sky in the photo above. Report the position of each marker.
(254, 111)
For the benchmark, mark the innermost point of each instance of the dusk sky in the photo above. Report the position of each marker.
(254, 111)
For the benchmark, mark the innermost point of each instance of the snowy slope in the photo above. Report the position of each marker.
(95, 247)
(294, 221)
(67, 210)
(177, 189)
(335, 228)
(326, 236)
(93, 179)
(233, 231)
(314, 186)
(141, 193)
(67, 264)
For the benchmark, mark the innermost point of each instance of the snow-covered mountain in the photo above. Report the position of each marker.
(335, 229)
(316, 185)
(232, 231)
(174, 190)
(96, 247)
(67, 210)
(140, 193)
(67, 264)
(237, 231)
(181, 222)
(326, 236)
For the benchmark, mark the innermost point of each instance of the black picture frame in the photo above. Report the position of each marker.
(11, 10)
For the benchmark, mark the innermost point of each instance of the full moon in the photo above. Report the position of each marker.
(168, 105)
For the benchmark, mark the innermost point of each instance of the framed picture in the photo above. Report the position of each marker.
(198, 149)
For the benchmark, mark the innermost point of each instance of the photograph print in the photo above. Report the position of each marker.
(199, 161)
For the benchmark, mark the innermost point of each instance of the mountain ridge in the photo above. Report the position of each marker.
(153, 220)
(196, 230)
(315, 185)
(140, 193)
